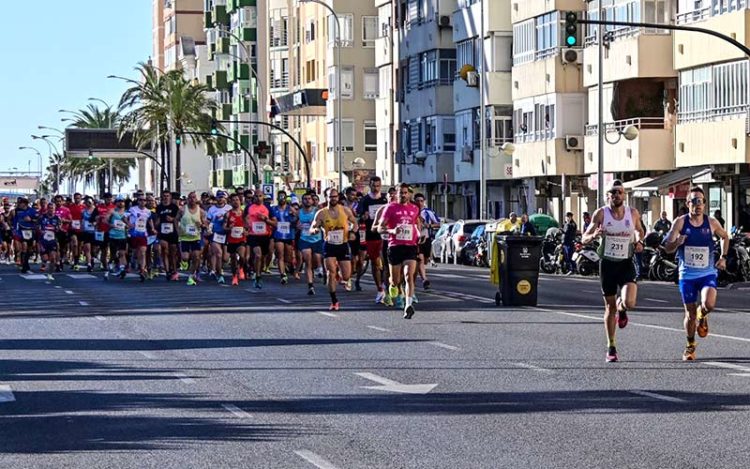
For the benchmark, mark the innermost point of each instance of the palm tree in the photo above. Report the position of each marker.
(163, 106)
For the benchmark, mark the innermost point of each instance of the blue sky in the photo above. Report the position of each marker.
(56, 54)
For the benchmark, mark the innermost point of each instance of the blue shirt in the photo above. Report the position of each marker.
(51, 224)
(286, 222)
(696, 255)
(20, 224)
(306, 220)
(216, 216)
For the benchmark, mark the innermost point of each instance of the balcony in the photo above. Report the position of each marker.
(280, 83)
(653, 150)
(466, 20)
(724, 141)
(238, 71)
(525, 9)
(543, 75)
(635, 54)
(432, 171)
(694, 49)
(546, 158)
(243, 105)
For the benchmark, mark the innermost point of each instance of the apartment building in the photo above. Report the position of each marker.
(640, 90)
(386, 107)
(311, 103)
(549, 106)
(711, 135)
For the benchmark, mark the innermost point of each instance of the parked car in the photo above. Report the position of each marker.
(460, 233)
(440, 243)
(472, 246)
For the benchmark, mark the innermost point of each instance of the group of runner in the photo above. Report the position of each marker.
(692, 236)
(241, 230)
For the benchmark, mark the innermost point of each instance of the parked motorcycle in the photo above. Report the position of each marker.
(549, 262)
(738, 260)
(586, 259)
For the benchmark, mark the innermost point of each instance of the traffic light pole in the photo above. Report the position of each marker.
(276, 127)
(244, 148)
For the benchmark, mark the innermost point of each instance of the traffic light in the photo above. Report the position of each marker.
(178, 140)
(571, 29)
(214, 127)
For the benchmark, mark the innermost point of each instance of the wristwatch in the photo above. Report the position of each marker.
(723, 256)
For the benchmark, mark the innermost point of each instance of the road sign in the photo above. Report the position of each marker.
(268, 190)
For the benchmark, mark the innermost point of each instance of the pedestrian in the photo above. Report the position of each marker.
(527, 228)
(586, 221)
(719, 218)
(570, 231)
(618, 225)
(663, 224)
(693, 239)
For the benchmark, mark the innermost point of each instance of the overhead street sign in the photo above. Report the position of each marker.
(268, 190)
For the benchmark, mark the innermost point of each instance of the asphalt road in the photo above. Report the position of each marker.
(122, 374)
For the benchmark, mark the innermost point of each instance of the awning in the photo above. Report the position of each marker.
(630, 185)
(674, 178)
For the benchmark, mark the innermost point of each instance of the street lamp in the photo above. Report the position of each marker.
(339, 89)
(37, 154)
(41, 127)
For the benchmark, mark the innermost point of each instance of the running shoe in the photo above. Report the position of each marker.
(379, 297)
(311, 291)
(212, 275)
(43, 268)
(296, 276)
(191, 281)
(393, 290)
(348, 285)
(284, 279)
(122, 273)
(267, 270)
(90, 268)
(242, 274)
(622, 319)
(399, 303)
(50, 277)
(142, 277)
(702, 328)
(334, 306)
(689, 353)
(357, 286)
(408, 312)
(220, 280)
(258, 283)
(426, 284)
(175, 277)
(235, 280)
(387, 300)
(611, 355)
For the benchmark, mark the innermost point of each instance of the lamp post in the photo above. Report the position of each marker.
(37, 154)
(482, 124)
(339, 88)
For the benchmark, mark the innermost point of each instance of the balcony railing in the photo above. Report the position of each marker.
(638, 122)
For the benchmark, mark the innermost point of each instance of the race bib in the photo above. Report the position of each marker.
(191, 230)
(373, 210)
(99, 236)
(238, 232)
(76, 224)
(335, 237)
(283, 227)
(140, 225)
(405, 233)
(306, 229)
(49, 235)
(167, 228)
(220, 238)
(259, 227)
(362, 235)
(617, 247)
(119, 225)
(88, 226)
(27, 234)
(696, 257)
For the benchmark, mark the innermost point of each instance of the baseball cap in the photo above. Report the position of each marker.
(615, 185)
(107, 195)
(221, 194)
(119, 198)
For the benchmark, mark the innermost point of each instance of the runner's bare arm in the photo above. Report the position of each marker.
(315, 225)
(719, 231)
(595, 227)
(673, 240)
(640, 232)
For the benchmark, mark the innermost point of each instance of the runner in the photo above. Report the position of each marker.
(336, 222)
(234, 225)
(190, 221)
(63, 234)
(283, 234)
(259, 225)
(311, 245)
(49, 227)
(76, 229)
(216, 216)
(355, 240)
(141, 226)
(430, 223)
(402, 222)
(89, 216)
(101, 237)
(385, 237)
(619, 226)
(366, 211)
(118, 226)
(24, 220)
(166, 214)
(6, 232)
(692, 236)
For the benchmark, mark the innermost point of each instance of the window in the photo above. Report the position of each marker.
(533, 121)
(696, 10)
(428, 70)
(310, 31)
(547, 34)
(170, 27)
(502, 53)
(369, 30)
(346, 20)
(465, 53)
(370, 82)
(347, 129)
(371, 136)
(523, 42)
(706, 93)
(347, 77)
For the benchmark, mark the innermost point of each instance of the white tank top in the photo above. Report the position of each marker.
(618, 237)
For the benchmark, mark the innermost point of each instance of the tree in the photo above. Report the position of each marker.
(164, 105)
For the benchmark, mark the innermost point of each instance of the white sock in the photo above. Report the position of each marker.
(408, 301)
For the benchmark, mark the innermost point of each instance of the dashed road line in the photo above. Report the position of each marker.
(658, 396)
(69, 292)
(101, 318)
(330, 315)
(381, 329)
(656, 300)
(185, 378)
(148, 355)
(236, 411)
(83, 303)
(533, 367)
(283, 300)
(445, 346)
(6, 394)
(314, 459)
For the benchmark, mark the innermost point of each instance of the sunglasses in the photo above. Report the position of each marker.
(697, 201)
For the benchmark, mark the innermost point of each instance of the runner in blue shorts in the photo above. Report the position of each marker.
(310, 245)
(692, 236)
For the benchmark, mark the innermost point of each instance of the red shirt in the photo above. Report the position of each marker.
(404, 218)
(235, 220)
(103, 224)
(64, 213)
(254, 222)
(76, 214)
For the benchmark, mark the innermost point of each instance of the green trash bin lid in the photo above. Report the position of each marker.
(542, 222)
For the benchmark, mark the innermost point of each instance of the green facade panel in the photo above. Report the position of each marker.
(219, 14)
(220, 80)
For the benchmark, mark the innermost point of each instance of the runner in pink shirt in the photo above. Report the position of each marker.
(403, 223)
(63, 236)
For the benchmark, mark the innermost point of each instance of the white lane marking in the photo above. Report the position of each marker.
(730, 366)
(445, 346)
(81, 276)
(34, 276)
(394, 386)
(656, 300)
(661, 397)
(593, 292)
(101, 318)
(284, 301)
(46, 283)
(185, 378)
(330, 315)
(381, 329)
(533, 367)
(58, 286)
(148, 355)
(314, 459)
(236, 411)
(69, 292)
(83, 303)
(6, 394)
(743, 375)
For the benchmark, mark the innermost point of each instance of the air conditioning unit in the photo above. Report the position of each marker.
(472, 79)
(572, 55)
(467, 154)
(444, 21)
(573, 142)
